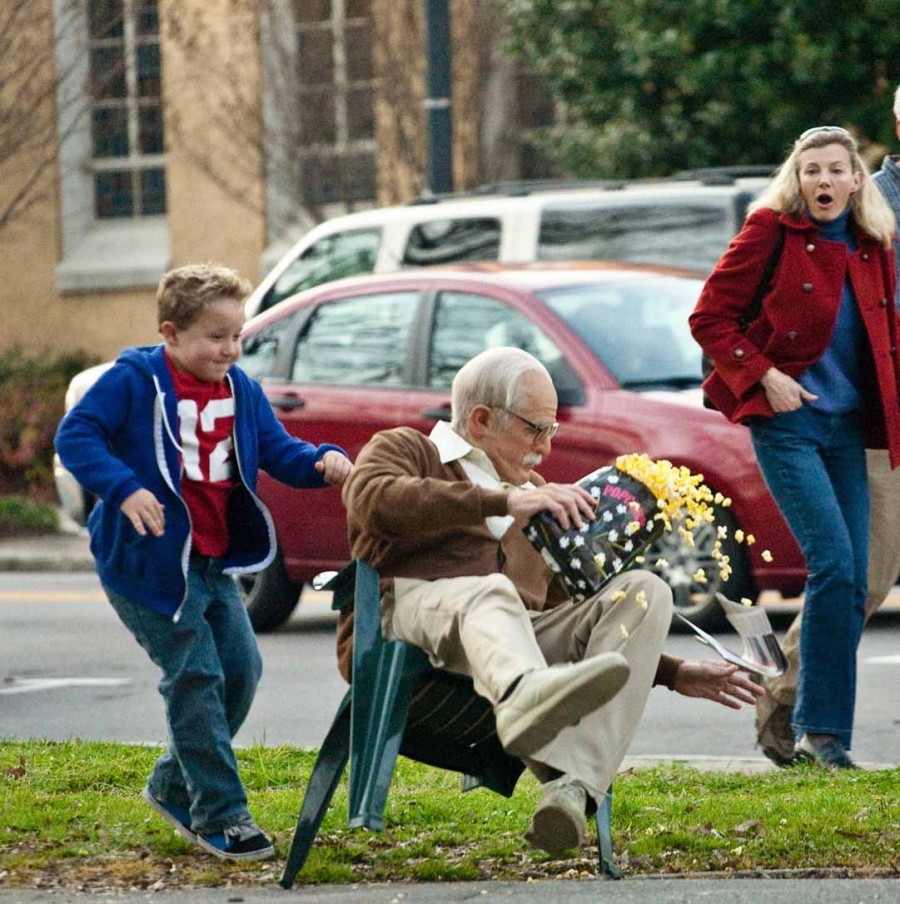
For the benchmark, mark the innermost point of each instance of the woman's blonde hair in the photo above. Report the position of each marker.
(871, 212)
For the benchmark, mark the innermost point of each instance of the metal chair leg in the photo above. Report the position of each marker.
(326, 774)
(608, 868)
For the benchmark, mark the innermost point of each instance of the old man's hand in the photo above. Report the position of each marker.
(568, 503)
(719, 681)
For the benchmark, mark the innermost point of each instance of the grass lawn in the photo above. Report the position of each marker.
(72, 817)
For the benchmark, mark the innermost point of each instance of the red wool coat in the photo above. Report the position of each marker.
(797, 319)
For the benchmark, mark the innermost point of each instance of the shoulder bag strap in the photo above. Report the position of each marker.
(755, 307)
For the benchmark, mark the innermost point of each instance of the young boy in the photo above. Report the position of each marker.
(171, 439)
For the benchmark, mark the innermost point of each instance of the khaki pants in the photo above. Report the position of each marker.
(478, 626)
(884, 562)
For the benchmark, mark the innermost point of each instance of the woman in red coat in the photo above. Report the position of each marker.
(815, 377)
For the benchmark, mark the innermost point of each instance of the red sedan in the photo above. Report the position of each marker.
(342, 361)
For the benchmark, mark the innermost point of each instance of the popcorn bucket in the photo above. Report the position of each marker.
(761, 653)
(587, 558)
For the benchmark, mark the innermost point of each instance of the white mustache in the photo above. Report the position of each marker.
(532, 460)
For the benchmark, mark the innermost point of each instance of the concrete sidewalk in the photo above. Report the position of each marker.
(65, 551)
(549, 891)
(68, 550)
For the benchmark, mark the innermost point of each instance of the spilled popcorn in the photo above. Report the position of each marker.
(683, 499)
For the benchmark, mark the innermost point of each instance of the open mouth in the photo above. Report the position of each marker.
(824, 199)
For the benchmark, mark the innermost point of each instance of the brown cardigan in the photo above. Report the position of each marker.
(411, 516)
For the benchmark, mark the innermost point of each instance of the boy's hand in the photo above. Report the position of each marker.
(144, 511)
(334, 467)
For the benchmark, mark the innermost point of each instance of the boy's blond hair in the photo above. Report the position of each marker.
(184, 292)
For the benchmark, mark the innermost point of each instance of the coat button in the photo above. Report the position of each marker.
(807, 287)
(865, 255)
(893, 349)
(792, 334)
(810, 247)
(883, 302)
(739, 353)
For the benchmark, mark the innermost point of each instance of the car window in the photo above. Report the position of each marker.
(332, 257)
(466, 324)
(445, 241)
(357, 341)
(259, 351)
(638, 329)
(686, 234)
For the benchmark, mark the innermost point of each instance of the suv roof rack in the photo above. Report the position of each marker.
(521, 187)
(726, 175)
(707, 175)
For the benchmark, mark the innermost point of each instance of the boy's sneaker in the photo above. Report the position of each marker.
(825, 750)
(178, 817)
(243, 841)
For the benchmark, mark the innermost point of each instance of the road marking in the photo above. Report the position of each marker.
(883, 660)
(28, 685)
(51, 596)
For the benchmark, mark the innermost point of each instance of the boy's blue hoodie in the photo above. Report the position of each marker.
(121, 437)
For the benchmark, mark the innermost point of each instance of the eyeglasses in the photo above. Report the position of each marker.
(542, 432)
(815, 129)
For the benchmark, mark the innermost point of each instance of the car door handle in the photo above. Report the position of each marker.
(436, 414)
(290, 401)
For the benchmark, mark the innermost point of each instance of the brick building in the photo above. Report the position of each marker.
(162, 132)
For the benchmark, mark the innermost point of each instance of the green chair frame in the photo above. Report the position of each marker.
(398, 703)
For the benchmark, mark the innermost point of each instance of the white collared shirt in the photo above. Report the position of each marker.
(478, 468)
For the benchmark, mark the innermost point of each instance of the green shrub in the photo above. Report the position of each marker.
(26, 516)
(33, 391)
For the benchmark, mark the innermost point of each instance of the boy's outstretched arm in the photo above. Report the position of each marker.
(334, 467)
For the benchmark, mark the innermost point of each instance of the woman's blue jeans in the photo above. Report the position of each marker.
(815, 467)
(211, 666)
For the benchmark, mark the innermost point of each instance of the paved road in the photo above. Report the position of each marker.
(69, 669)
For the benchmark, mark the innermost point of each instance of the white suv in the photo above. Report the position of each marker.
(684, 221)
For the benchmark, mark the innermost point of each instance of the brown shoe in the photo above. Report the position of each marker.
(774, 732)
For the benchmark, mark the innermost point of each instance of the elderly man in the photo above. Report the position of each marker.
(440, 517)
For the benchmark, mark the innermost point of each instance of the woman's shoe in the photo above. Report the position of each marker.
(825, 750)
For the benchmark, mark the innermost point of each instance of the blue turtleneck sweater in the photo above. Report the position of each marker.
(837, 376)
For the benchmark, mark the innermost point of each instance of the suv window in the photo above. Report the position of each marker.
(684, 234)
(446, 241)
(466, 324)
(357, 341)
(332, 257)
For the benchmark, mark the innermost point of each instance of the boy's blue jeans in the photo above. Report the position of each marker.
(211, 666)
(815, 467)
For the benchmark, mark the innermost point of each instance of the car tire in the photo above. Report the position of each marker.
(270, 596)
(676, 563)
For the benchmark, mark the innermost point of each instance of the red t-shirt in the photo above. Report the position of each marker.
(208, 469)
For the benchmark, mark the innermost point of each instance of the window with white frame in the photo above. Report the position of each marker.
(336, 97)
(111, 161)
(126, 109)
